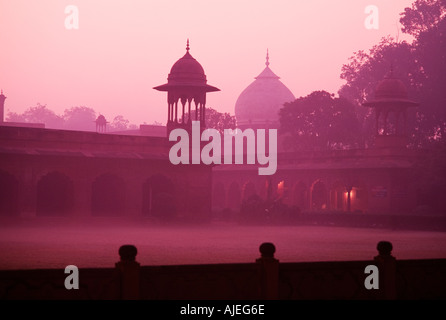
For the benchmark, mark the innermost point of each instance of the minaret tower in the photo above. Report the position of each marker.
(186, 87)
(2, 107)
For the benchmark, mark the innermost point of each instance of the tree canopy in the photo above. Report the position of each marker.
(216, 120)
(37, 114)
(80, 118)
(320, 121)
(75, 118)
(421, 65)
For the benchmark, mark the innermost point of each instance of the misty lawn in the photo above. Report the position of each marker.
(97, 244)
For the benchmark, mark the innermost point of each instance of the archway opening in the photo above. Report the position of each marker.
(249, 190)
(300, 196)
(319, 196)
(234, 196)
(9, 194)
(54, 195)
(158, 197)
(108, 196)
(219, 196)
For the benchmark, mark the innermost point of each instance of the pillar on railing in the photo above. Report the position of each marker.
(268, 272)
(129, 273)
(387, 271)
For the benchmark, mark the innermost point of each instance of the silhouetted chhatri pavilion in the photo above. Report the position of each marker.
(186, 84)
(391, 103)
(46, 172)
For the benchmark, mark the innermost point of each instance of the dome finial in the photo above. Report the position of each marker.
(267, 58)
(187, 46)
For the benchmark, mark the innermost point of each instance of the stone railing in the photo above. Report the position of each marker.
(264, 279)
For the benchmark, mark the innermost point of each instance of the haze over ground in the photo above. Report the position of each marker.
(55, 246)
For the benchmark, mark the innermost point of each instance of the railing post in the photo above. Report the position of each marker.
(129, 273)
(268, 272)
(387, 271)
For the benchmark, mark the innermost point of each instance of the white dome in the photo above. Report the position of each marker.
(259, 104)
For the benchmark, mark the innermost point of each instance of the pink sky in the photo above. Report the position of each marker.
(123, 48)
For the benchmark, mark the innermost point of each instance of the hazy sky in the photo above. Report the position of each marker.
(123, 48)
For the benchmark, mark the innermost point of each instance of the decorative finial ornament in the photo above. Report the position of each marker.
(267, 58)
(187, 46)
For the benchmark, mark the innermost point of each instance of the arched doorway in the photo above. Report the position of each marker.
(248, 190)
(359, 197)
(54, 195)
(300, 196)
(108, 196)
(159, 197)
(319, 196)
(219, 196)
(234, 196)
(9, 194)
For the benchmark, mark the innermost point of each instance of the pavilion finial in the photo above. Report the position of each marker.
(390, 75)
(187, 46)
(267, 58)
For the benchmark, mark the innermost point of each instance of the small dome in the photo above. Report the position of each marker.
(186, 73)
(391, 88)
(187, 70)
(259, 104)
(101, 119)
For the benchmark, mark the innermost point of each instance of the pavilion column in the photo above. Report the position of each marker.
(188, 104)
(176, 111)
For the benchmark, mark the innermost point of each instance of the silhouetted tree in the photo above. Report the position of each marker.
(365, 70)
(423, 16)
(119, 123)
(216, 120)
(80, 118)
(320, 121)
(75, 118)
(37, 114)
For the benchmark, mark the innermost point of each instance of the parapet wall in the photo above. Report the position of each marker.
(265, 279)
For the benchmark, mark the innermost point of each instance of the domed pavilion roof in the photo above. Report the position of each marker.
(390, 90)
(186, 72)
(259, 104)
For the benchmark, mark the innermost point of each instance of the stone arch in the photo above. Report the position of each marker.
(219, 195)
(108, 195)
(55, 195)
(159, 196)
(249, 190)
(9, 194)
(319, 195)
(234, 196)
(300, 195)
(283, 192)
